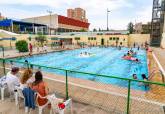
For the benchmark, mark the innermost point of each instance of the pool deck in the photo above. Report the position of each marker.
(160, 54)
(93, 97)
(14, 53)
(9, 107)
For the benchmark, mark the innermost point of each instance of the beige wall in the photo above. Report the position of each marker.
(8, 43)
(163, 37)
(138, 39)
(163, 41)
(127, 40)
(107, 41)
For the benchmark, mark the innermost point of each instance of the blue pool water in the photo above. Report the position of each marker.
(106, 61)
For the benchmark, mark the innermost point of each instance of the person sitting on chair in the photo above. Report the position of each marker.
(41, 87)
(12, 80)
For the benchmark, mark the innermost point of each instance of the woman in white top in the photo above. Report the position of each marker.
(26, 79)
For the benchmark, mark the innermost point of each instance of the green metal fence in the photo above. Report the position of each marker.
(113, 99)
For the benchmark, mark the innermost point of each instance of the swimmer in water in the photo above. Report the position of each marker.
(134, 76)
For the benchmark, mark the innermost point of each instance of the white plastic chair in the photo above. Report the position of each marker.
(3, 93)
(54, 104)
(19, 95)
(3, 87)
(40, 108)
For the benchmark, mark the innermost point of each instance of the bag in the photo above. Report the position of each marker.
(61, 105)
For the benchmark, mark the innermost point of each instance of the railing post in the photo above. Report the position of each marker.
(31, 66)
(3, 51)
(66, 84)
(128, 97)
(4, 67)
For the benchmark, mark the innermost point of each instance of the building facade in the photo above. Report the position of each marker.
(141, 28)
(138, 28)
(78, 14)
(58, 23)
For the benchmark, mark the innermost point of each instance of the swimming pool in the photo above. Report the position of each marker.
(105, 61)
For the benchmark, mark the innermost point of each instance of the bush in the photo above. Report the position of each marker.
(22, 46)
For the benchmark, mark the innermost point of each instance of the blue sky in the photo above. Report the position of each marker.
(122, 11)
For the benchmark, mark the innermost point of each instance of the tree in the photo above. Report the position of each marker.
(94, 30)
(99, 29)
(130, 28)
(16, 28)
(22, 46)
(41, 39)
(82, 30)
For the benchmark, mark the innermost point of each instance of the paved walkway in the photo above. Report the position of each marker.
(160, 54)
(14, 53)
(9, 107)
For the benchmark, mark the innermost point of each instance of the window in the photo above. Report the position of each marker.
(94, 38)
(89, 38)
(117, 38)
(124, 39)
(77, 38)
(110, 38)
(114, 38)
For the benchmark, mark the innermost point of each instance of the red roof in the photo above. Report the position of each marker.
(73, 22)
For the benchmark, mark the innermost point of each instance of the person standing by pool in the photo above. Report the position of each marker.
(30, 49)
(45, 48)
(119, 47)
(138, 47)
(134, 45)
(38, 48)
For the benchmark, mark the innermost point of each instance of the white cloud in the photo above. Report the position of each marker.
(144, 15)
(95, 9)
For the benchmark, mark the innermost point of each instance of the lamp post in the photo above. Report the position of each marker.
(50, 14)
(107, 18)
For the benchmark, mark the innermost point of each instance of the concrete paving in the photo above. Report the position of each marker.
(160, 54)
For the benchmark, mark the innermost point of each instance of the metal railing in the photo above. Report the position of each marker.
(129, 96)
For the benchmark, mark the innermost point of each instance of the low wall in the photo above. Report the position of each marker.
(126, 40)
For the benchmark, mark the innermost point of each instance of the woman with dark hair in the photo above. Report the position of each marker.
(41, 87)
